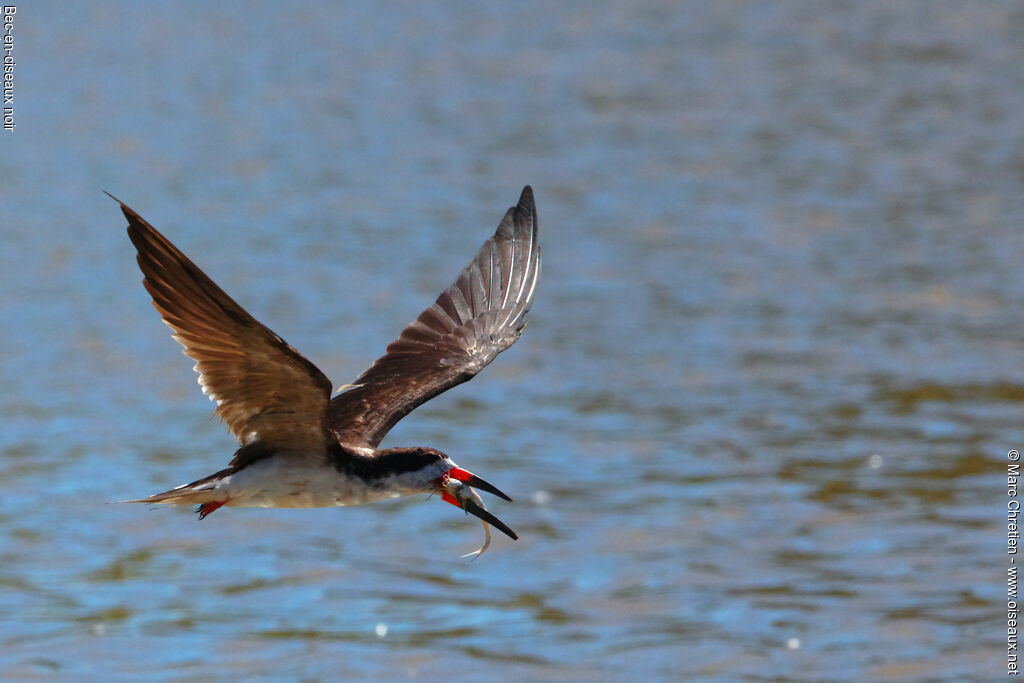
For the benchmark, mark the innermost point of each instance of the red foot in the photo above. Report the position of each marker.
(207, 508)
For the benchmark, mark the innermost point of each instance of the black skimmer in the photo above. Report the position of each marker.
(300, 448)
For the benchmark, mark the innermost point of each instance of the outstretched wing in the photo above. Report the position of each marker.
(264, 388)
(479, 316)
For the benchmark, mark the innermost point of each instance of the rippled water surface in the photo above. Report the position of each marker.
(756, 429)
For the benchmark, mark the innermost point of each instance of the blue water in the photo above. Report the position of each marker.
(755, 430)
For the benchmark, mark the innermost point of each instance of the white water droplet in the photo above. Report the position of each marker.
(381, 630)
(793, 643)
(875, 461)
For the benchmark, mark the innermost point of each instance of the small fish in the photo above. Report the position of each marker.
(462, 495)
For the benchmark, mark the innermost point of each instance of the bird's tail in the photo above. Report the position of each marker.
(198, 492)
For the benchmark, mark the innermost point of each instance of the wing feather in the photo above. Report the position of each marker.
(480, 315)
(264, 389)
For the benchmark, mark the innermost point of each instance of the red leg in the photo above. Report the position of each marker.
(207, 508)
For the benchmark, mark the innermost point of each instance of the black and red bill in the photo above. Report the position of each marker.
(477, 510)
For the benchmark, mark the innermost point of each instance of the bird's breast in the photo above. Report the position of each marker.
(302, 481)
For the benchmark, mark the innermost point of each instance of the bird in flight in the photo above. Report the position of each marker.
(298, 446)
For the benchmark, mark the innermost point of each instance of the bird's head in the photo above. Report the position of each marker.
(403, 471)
(456, 487)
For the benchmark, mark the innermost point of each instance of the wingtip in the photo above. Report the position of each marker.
(113, 197)
(128, 212)
(526, 203)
